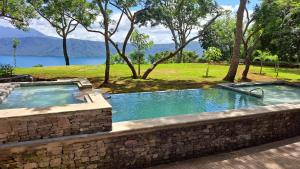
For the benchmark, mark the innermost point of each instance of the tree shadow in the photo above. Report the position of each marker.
(128, 85)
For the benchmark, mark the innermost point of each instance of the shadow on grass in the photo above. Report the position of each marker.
(128, 85)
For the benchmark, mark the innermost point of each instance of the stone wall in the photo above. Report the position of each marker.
(42, 126)
(150, 146)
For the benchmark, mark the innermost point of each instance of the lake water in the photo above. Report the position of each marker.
(29, 61)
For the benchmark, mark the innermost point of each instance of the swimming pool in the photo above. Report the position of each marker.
(41, 96)
(136, 106)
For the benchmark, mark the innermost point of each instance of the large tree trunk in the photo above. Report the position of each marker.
(107, 62)
(107, 51)
(234, 63)
(65, 50)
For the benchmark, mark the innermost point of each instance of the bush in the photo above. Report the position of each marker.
(187, 57)
(116, 59)
(6, 70)
(38, 65)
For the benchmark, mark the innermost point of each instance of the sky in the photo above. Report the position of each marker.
(158, 34)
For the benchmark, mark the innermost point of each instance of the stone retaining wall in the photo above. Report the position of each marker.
(42, 126)
(146, 147)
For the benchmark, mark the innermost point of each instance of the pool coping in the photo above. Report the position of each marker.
(94, 101)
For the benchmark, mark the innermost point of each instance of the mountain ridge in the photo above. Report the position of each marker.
(34, 43)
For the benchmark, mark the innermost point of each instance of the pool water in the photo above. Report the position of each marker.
(41, 96)
(135, 106)
(276, 94)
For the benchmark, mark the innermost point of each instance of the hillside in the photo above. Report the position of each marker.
(49, 46)
(34, 43)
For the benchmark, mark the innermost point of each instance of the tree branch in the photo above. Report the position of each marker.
(149, 70)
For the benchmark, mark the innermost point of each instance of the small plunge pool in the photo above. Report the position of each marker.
(41, 96)
(136, 106)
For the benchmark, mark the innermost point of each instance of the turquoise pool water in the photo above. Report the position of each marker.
(135, 106)
(41, 96)
(276, 94)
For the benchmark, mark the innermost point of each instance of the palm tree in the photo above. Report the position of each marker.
(16, 42)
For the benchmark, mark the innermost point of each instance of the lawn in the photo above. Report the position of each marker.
(165, 76)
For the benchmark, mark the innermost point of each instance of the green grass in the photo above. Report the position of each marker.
(164, 77)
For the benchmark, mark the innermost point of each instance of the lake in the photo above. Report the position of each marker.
(29, 61)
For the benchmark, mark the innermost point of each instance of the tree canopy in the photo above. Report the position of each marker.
(17, 12)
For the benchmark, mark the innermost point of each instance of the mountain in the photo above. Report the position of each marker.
(34, 43)
(7, 32)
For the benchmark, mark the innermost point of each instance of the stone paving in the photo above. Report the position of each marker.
(278, 155)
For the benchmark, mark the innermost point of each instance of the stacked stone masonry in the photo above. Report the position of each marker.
(19, 129)
(148, 147)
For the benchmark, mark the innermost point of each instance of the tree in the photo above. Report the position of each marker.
(220, 35)
(266, 56)
(60, 14)
(251, 37)
(180, 17)
(15, 44)
(126, 8)
(211, 54)
(208, 8)
(141, 42)
(17, 12)
(234, 62)
(280, 21)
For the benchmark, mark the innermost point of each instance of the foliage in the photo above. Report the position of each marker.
(38, 65)
(280, 20)
(16, 42)
(61, 15)
(159, 55)
(220, 35)
(187, 57)
(180, 17)
(137, 57)
(116, 59)
(212, 54)
(6, 70)
(17, 12)
(141, 42)
(264, 56)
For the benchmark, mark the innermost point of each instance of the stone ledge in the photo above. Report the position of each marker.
(151, 125)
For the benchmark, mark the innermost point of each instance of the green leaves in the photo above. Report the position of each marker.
(18, 12)
(220, 35)
(141, 41)
(16, 42)
(266, 56)
(212, 54)
(63, 15)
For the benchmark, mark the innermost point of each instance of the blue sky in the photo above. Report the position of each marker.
(158, 34)
(236, 2)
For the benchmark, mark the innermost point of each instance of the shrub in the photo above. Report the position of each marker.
(38, 65)
(6, 70)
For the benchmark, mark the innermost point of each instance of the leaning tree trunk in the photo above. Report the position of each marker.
(247, 67)
(65, 50)
(234, 63)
